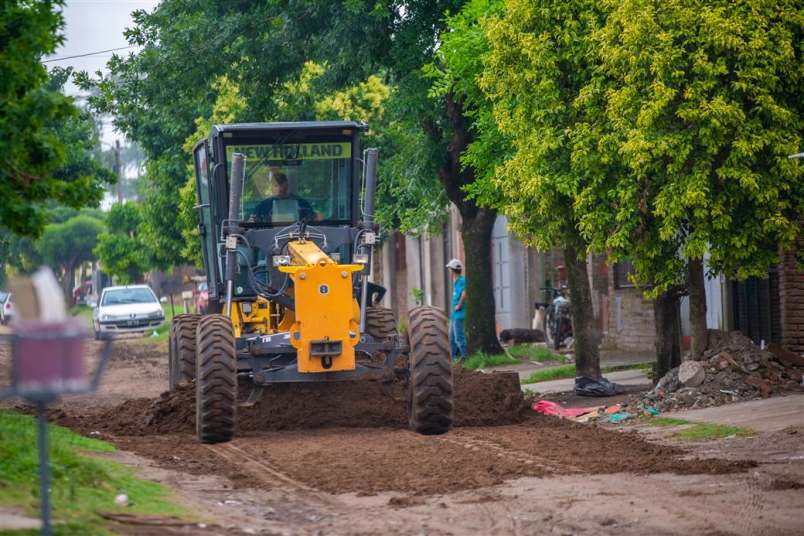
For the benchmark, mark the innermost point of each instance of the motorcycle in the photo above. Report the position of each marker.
(557, 319)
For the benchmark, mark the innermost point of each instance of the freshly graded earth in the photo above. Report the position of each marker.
(343, 437)
(337, 458)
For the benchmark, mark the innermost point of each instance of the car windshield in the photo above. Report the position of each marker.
(3, 296)
(128, 295)
(286, 183)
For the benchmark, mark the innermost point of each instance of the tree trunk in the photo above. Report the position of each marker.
(667, 318)
(476, 226)
(587, 354)
(480, 326)
(697, 292)
(68, 284)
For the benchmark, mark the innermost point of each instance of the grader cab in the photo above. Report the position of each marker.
(287, 248)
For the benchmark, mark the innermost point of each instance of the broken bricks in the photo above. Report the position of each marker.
(733, 369)
(691, 373)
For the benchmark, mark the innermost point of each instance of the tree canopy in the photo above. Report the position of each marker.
(157, 94)
(65, 246)
(701, 106)
(43, 135)
(120, 249)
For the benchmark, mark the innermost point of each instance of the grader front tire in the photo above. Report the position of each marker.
(181, 349)
(431, 393)
(216, 380)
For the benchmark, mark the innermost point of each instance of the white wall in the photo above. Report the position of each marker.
(509, 260)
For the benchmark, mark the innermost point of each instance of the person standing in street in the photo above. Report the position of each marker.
(457, 340)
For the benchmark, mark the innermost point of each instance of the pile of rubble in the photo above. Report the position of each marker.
(732, 369)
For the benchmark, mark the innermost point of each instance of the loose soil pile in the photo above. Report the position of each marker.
(733, 369)
(480, 400)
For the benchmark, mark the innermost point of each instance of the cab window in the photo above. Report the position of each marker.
(286, 183)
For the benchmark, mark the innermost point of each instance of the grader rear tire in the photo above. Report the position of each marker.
(431, 398)
(380, 323)
(216, 380)
(181, 349)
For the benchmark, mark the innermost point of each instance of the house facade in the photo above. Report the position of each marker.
(413, 269)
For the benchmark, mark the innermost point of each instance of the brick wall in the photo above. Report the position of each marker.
(791, 301)
(630, 319)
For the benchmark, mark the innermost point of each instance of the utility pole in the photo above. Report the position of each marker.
(118, 169)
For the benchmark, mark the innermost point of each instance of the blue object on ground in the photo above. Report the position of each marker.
(620, 417)
(652, 411)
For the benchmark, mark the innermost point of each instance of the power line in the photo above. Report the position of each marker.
(88, 54)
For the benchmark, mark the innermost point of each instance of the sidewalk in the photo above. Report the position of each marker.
(633, 378)
(766, 415)
(608, 358)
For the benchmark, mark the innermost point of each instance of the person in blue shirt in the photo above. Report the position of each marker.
(457, 340)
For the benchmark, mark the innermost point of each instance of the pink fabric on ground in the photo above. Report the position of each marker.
(547, 407)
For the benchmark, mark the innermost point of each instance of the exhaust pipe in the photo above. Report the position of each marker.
(371, 187)
(232, 225)
(370, 159)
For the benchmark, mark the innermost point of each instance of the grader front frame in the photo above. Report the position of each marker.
(287, 250)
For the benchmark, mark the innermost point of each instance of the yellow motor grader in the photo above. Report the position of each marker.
(287, 248)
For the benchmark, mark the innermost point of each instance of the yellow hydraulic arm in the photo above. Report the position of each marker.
(327, 317)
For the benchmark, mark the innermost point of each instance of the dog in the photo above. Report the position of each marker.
(518, 335)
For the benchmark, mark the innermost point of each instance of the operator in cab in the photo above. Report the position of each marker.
(282, 206)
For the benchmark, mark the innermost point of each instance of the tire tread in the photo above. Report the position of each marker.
(216, 379)
(431, 387)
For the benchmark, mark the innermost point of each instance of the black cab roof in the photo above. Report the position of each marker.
(288, 125)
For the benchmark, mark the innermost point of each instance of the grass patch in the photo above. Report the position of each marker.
(82, 311)
(162, 333)
(482, 360)
(530, 352)
(568, 371)
(707, 431)
(552, 373)
(630, 366)
(81, 485)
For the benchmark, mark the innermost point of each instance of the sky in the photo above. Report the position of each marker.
(90, 26)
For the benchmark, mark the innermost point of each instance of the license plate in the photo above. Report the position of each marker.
(132, 323)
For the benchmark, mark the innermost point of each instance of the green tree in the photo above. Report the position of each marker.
(531, 63)
(157, 94)
(21, 254)
(701, 105)
(65, 246)
(120, 249)
(38, 124)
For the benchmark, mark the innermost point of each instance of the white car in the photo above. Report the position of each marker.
(128, 309)
(7, 310)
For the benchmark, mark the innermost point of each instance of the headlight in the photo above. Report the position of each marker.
(156, 314)
(280, 260)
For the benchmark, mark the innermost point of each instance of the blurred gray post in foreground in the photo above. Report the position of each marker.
(48, 348)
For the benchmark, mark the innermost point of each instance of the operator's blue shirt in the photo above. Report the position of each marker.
(457, 290)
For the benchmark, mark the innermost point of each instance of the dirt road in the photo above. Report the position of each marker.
(338, 460)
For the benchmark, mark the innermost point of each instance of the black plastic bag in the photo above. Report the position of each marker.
(601, 387)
